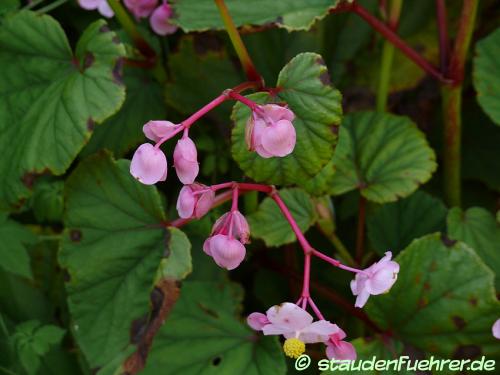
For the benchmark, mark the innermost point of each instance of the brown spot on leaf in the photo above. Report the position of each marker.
(467, 351)
(458, 321)
(117, 72)
(88, 60)
(422, 302)
(427, 286)
(29, 179)
(320, 61)
(418, 277)
(335, 129)
(473, 301)
(116, 40)
(216, 361)
(448, 242)
(325, 78)
(138, 329)
(75, 235)
(104, 29)
(90, 124)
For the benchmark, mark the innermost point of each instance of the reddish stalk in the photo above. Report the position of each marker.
(443, 35)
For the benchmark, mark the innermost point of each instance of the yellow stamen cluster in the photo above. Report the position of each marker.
(293, 347)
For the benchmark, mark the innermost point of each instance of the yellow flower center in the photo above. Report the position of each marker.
(293, 347)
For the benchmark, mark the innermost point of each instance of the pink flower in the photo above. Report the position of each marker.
(194, 201)
(149, 164)
(238, 224)
(257, 321)
(101, 5)
(160, 20)
(141, 8)
(156, 130)
(338, 349)
(496, 329)
(270, 131)
(227, 252)
(376, 279)
(186, 160)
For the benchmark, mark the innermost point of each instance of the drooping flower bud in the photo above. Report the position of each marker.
(160, 20)
(140, 8)
(194, 200)
(186, 160)
(338, 349)
(270, 132)
(149, 164)
(157, 129)
(239, 226)
(101, 5)
(227, 252)
(374, 280)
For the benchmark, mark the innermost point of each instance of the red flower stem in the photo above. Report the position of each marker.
(315, 309)
(249, 103)
(399, 43)
(334, 262)
(443, 35)
(239, 46)
(307, 276)
(234, 206)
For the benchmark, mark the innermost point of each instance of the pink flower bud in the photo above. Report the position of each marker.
(149, 164)
(270, 131)
(156, 130)
(101, 5)
(195, 201)
(227, 252)
(141, 8)
(496, 329)
(338, 349)
(160, 20)
(374, 280)
(240, 228)
(186, 160)
(257, 321)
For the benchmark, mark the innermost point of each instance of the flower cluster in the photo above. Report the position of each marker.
(159, 15)
(298, 328)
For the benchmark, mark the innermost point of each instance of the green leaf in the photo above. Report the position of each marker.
(202, 15)
(51, 97)
(304, 85)
(177, 264)
(393, 226)
(268, 223)
(485, 75)
(478, 229)
(32, 341)
(123, 131)
(47, 200)
(383, 155)
(203, 335)
(443, 302)
(198, 74)
(13, 239)
(112, 247)
(7, 6)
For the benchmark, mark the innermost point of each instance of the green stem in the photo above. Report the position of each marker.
(387, 57)
(51, 6)
(241, 50)
(452, 105)
(33, 4)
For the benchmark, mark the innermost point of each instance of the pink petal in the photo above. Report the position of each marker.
(362, 298)
(186, 202)
(160, 20)
(289, 316)
(105, 10)
(382, 280)
(157, 129)
(204, 204)
(337, 336)
(496, 329)
(257, 321)
(319, 331)
(185, 160)
(381, 263)
(342, 351)
(277, 112)
(279, 139)
(241, 229)
(89, 4)
(206, 246)
(149, 164)
(228, 253)
(221, 225)
(141, 8)
(273, 329)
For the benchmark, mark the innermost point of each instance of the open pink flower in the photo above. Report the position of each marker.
(227, 252)
(160, 20)
(194, 200)
(101, 5)
(149, 164)
(270, 132)
(157, 129)
(186, 160)
(496, 329)
(141, 8)
(338, 349)
(374, 280)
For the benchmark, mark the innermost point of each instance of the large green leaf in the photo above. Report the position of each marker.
(393, 226)
(203, 336)
(13, 239)
(478, 229)
(123, 131)
(201, 15)
(112, 248)
(269, 224)
(50, 97)
(443, 302)
(384, 156)
(485, 75)
(304, 85)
